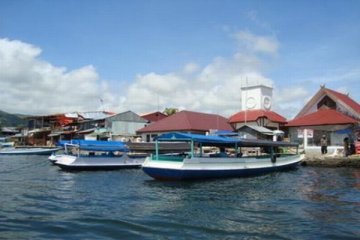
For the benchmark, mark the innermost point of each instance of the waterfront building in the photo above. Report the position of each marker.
(48, 129)
(154, 116)
(45, 129)
(9, 131)
(95, 125)
(328, 112)
(123, 126)
(185, 121)
(256, 120)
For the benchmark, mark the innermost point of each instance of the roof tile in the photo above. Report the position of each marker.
(345, 99)
(321, 117)
(188, 121)
(253, 115)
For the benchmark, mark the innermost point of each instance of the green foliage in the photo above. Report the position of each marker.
(170, 111)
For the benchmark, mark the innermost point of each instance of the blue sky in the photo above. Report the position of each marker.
(195, 55)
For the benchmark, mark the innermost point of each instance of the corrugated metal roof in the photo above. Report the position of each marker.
(260, 129)
(95, 115)
(253, 115)
(345, 99)
(188, 121)
(154, 117)
(321, 117)
(335, 96)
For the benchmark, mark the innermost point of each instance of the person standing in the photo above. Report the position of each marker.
(346, 147)
(323, 143)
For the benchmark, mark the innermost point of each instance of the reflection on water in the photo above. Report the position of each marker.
(40, 201)
(356, 175)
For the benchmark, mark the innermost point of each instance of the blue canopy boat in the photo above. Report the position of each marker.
(267, 156)
(95, 155)
(95, 145)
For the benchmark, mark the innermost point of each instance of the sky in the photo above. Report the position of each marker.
(147, 55)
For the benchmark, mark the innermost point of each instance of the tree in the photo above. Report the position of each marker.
(170, 111)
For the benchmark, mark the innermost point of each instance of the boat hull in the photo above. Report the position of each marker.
(97, 167)
(28, 151)
(180, 174)
(79, 163)
(207, 170)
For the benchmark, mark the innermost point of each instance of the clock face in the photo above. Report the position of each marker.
(267, 103)
(250, 103)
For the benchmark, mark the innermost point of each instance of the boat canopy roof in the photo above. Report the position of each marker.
(93, 145)
(214, 140)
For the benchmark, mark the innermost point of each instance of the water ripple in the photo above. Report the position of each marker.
(39, 201)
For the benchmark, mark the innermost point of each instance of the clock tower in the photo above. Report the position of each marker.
(257, 97)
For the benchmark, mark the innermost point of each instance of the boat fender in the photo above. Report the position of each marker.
(273, 158)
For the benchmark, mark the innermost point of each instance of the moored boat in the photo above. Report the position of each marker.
(96, 155)
(268, 156)
(28, 150)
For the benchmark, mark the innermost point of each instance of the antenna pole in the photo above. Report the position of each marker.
(246, 85)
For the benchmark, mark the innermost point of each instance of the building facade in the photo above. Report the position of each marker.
(330, 113)
(256, 118)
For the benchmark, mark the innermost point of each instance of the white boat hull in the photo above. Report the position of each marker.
(199, 167)
(28, 151)
(77, 163)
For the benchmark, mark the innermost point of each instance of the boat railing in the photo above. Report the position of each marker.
(77, 150)
(167, 157)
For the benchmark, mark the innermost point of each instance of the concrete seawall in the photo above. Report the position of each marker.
(332, 161)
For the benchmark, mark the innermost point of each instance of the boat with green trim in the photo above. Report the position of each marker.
(235, 157)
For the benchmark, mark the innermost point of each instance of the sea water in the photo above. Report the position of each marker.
(40, 201)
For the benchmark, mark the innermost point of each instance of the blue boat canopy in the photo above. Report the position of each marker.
(93, 145)
(221, 140)
(177, 136)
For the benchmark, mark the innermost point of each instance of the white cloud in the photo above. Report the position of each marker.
(290, 94)
(31, 85)
(38, 87)
(253, 16)
(344, 74)
(212, 88)
(261, 44)
(191, 68)
(289, 101)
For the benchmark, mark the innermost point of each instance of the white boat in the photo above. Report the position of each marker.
(96, 155)
(4, 143)
(28, 150)
(196, 165)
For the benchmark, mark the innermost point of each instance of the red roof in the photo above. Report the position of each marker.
(335, 96)
(345, 99)
(154, 117)
(188, 121)
(253, 115)
(321, 117)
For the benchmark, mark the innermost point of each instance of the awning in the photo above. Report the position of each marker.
(90, 130)
(55, 134)
(278, 132)
(344, 131)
